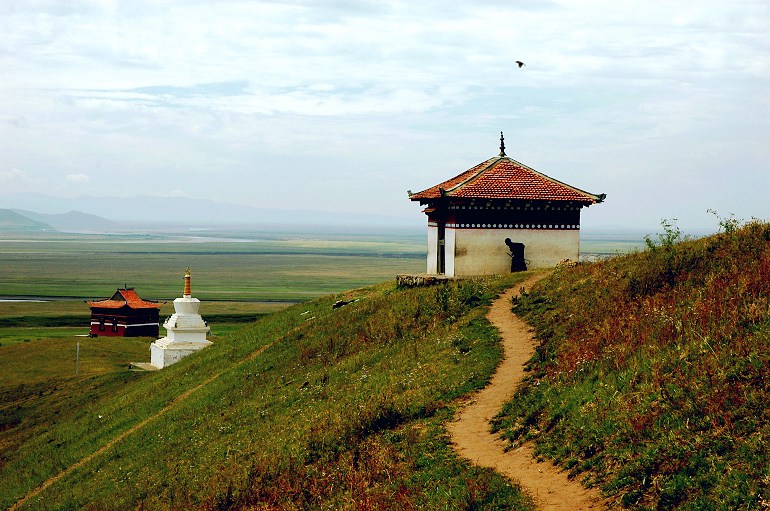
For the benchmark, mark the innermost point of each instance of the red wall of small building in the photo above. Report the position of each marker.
(122, 323)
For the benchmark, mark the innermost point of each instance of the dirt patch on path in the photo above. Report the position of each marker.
(471, 438)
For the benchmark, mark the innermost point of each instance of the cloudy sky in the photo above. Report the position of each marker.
(344, 105)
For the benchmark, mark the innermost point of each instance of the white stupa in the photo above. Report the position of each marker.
(185, 331)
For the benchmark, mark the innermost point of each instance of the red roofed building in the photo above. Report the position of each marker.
(125, 315)
(501, 216)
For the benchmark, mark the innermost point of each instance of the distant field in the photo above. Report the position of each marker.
(59, 308)
(227, 266)
(66, 319)
(595, 245)
(29, 355)
(256, 268)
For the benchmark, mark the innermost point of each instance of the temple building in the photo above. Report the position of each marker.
(501, 216)
(185, 330)
(125, 315)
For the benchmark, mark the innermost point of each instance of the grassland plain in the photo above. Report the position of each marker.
(343, 409)
(227, 269)
(652, 376)
(231, 265)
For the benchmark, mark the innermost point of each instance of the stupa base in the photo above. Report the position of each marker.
(163, 354)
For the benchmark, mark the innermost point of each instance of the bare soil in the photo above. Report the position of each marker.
(548, 485)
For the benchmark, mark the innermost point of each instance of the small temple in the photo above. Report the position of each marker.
(124, 314)
(185, 330)
(501, 216)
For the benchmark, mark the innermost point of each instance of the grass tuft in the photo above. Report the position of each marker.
(651, 377)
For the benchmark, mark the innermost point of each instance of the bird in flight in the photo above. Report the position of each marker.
(520, 63)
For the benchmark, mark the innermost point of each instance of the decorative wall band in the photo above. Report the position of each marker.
(516, 208)
(514, 226)
(121, 325)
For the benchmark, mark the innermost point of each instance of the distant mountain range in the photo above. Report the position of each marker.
(38, 212)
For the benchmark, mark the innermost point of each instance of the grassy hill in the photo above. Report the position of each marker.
(12, 222)
(308, 408)
(652, 379)
(72, 221)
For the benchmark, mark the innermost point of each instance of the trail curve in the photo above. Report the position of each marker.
(470, 433)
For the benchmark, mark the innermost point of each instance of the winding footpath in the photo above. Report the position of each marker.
(549, 486)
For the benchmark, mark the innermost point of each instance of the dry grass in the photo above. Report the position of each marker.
(651, 378)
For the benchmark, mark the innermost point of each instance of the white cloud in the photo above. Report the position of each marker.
(8, 176)
(313, 101)
(78, 178)
(16, 180)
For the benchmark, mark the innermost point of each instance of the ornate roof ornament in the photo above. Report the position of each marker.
(187, 284)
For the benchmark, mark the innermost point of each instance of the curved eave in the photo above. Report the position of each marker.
(112, 304)
(461, 186)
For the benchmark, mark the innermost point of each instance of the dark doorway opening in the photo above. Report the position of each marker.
(518, 263)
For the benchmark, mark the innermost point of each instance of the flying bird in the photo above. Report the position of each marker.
(520, 63)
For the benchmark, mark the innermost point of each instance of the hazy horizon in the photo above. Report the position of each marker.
(343, 107)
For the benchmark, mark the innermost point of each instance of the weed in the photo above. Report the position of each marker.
(727, 225)
(651, 374)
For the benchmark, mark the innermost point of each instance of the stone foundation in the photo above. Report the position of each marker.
(420, 280)
(163, 353)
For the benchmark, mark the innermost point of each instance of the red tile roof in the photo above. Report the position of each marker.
(504, 178)
(123, 298)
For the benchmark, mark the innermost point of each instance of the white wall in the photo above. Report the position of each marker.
(484, 252)
(432, 249)
(450, 242)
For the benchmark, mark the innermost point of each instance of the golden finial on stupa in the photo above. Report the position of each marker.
(187, 286)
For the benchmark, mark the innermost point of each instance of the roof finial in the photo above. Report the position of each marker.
(502, 144)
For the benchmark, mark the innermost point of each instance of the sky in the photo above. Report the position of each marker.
(345, 105)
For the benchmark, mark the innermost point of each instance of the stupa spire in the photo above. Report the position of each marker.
(185, 330)
(502, 144)
(187, 286)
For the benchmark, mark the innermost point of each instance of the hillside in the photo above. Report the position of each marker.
(72, 221)
(12, 222)
(651, 379)
(309, 408)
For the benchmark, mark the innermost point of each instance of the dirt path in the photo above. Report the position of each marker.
(470, 434)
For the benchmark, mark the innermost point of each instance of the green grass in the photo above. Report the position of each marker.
(57, 319)
(260, 269)
(344, 409)
(651, 378)
(46, 353)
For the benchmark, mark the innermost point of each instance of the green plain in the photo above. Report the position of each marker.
(289, 269)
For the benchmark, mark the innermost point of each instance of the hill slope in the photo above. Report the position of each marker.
(11, 221)
(652, 378)
(72, 221)
(311, 407)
